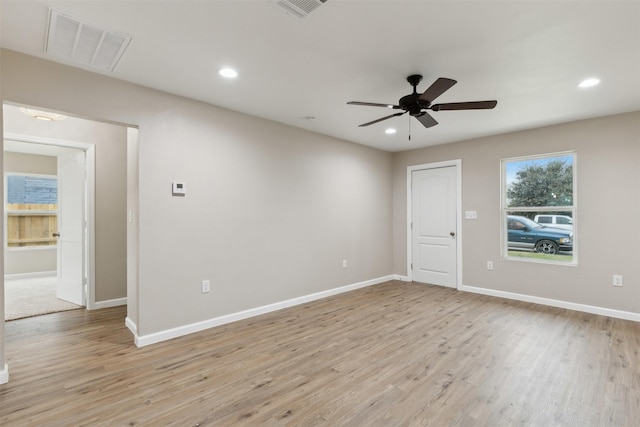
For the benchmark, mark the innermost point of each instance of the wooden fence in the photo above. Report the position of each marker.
(31, 224)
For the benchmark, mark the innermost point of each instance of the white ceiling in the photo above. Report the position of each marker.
(528, 55)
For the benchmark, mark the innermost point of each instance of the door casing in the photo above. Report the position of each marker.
(458, 165)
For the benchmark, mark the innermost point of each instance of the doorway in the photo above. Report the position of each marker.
(434, 223)
(53, 276)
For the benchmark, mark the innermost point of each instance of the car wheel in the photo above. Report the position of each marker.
(547, 247)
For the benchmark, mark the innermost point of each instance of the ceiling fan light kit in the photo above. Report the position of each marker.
(416, 103)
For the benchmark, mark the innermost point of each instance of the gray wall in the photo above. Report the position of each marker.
(608, 207)
(110, 188)
(30, 260)
(270, 212)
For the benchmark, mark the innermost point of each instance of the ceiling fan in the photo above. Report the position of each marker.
(416, 104)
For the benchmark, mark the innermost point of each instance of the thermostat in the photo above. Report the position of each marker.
(179, 188)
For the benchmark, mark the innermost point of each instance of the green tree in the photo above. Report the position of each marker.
(537, 184)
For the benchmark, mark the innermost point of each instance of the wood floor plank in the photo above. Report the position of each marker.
(395, 354)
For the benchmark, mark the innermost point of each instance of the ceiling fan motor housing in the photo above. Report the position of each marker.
(411, 103)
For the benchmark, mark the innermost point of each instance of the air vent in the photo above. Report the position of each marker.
(78, 41)
(300, 8)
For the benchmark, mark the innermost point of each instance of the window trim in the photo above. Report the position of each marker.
(7, 212)
(504, 250)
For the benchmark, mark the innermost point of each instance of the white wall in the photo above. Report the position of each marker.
(132, 228)
(33, 260)
(608, 207)
(270, 212)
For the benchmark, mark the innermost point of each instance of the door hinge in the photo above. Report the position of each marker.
(411, 266)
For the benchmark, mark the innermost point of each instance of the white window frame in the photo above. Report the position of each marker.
(13, 211)
(504, 250)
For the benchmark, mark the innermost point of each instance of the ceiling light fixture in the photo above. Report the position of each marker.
(43, 115)
(589, 83)
(228, 73)
(390, 131)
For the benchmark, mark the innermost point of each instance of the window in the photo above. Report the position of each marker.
(31, 210)
(538, 208)
(544, 219)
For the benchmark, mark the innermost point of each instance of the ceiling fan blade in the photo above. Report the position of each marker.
(475, 105)
(438, 87)
(373, 104)
(426, 120)
(384, 118)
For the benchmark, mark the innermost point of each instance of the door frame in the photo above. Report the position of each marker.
(410, 169)
(90, 150)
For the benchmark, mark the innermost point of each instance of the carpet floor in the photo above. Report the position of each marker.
(33, 297)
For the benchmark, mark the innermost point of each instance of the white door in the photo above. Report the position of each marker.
(71, 230)
(434, 219)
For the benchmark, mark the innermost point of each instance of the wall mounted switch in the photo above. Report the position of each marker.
(206, 286)
(617, 280)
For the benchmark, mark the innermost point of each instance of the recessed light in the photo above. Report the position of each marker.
(228, 73)
(390, 131)
(589, 83)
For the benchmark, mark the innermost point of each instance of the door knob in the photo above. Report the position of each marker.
(452, 234)
(56, 234)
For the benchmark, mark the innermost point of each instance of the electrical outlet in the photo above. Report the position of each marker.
(489, 265)
(206, 286)
(617, 280)
(344, 263)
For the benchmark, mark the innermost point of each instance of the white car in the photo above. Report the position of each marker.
(556, 221)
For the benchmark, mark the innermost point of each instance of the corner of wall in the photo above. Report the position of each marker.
(131, 325)
(4, 375)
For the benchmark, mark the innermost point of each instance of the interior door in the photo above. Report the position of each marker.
(434, 219)
(71, 230)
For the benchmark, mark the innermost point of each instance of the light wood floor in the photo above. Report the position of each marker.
(396, 354)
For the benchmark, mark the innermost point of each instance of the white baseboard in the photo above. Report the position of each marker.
(109, 303)
(131, 325)
(401, 278)
(4, 375)
(168, 334)
(30, 275)
(618, 314)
